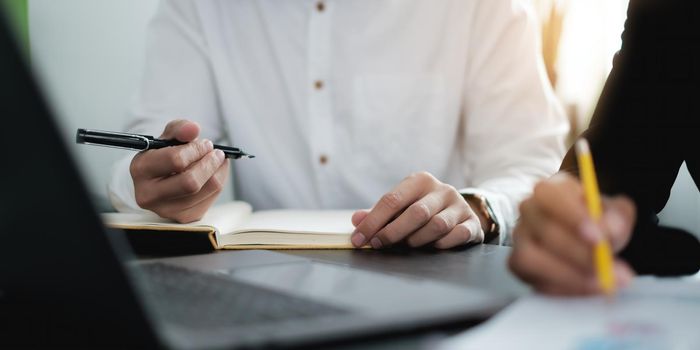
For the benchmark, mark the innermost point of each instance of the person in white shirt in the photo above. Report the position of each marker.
(341, 101)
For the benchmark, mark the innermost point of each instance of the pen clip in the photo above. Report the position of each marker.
(85, 136)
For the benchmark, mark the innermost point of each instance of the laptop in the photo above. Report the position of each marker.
(65, 280)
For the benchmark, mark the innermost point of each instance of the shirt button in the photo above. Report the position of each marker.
(323, 159)
(320, 6)
(318, 84)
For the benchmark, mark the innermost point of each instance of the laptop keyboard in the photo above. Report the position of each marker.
(203, 300)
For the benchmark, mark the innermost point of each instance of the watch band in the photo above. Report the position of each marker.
(484, 208)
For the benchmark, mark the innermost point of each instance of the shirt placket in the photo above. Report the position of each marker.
(320, 87)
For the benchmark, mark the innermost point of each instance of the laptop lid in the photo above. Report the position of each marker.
(61, 282)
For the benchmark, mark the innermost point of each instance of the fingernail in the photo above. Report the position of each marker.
(614, 222)
(358, 239)
(376, 243)
(220, 154)
(208, 145)
(624, 276)
(590, 231)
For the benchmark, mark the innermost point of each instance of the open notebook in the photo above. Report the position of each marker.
(234, 225)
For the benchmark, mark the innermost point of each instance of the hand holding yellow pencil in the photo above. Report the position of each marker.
(602, 254)
(563, 244)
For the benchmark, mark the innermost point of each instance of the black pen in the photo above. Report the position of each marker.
(138, 142)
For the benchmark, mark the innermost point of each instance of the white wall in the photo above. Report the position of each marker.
(90, 53)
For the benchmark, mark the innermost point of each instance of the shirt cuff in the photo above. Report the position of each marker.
(121, 187)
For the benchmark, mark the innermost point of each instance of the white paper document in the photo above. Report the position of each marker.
(652, 314)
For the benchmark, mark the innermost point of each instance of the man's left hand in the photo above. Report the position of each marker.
(421, 210)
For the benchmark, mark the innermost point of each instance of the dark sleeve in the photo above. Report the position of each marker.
(646, 125)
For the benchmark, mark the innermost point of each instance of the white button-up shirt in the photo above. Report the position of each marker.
(342, 99)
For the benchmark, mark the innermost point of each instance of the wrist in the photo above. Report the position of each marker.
(482, 208)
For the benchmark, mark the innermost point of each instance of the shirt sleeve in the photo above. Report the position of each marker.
(514, 127)
(177, 83)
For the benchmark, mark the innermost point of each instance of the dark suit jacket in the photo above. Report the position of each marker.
(647, 123)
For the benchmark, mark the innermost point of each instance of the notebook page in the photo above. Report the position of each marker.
(300, 221)
(223, 217)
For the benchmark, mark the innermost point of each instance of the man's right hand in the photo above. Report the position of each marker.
(554, 238)
(179, 182)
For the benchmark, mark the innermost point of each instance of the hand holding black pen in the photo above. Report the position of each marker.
(177, 176)
(139, 142)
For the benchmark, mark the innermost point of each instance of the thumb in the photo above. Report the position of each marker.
(181, 130)
(618, 220)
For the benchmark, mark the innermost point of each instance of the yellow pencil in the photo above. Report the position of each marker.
(602, 253)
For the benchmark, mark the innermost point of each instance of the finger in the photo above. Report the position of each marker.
(623, 274)
(560, 241)
(439, 225)
(546, 273)
(186, 183)
(623, 278)
(181, 130)
(518, 231)
(463, 233)
(213, 186)
(565, 243)
(358, 216)
(412, 219)
(193, 178)
(528, 211)
(407, 192)
(561, 198)
(618, 220)
(169, 160)
(188, 209)
(187, 215)
(561, 291)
